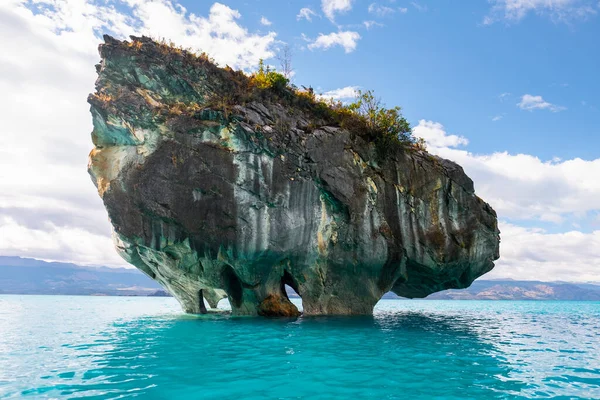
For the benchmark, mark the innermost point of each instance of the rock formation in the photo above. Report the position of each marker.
(236, 202)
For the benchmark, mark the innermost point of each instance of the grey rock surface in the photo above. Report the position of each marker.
(238, 203)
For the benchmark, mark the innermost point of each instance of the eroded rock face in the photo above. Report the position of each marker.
(214, 204)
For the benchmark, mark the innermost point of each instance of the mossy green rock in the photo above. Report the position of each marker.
(237, 203)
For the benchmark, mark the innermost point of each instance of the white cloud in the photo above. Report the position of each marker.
(218, 34)
(403, 10)
(345, 93)
(534, 254)
(346, 39)
(264, 21)
(521, 186)
(531, 103)
(306, 13)
(57, 243)
(379, 10)
(332, 7)
(496, 118)
(435, 135)
(558, 10)
(369, 24)
(49, 208)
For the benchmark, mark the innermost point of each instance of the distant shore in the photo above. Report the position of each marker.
(24, 276)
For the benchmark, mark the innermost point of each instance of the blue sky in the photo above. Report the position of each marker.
(509, 89)
(442, 63)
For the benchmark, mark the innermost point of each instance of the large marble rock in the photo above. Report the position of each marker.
(236, 202)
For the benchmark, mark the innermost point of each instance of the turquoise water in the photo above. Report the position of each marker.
(111, 347)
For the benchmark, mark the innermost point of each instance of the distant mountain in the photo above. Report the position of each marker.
(522, 290)
(519, 290)
(29, 276)
(510, 289)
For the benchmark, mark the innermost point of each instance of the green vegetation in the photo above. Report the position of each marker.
(365, 117)
(264, 78)
(378, 118)
(387, 126)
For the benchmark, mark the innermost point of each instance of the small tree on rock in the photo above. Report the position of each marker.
(386, 122)
(285, 62)
(264, 78)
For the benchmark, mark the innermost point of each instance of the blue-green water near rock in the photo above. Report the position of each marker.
(93, 347)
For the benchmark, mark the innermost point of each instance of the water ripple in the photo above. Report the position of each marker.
(83, 347)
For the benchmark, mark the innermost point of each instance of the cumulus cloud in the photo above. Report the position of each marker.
(535, 254)
(531, 103)
(264, 21)
(306, 13)
(435, 135)
(521, 186)
(558, 10)
(57, 243)
(49, 208)
(528, 191)
(219, 34)
(332, 7)
(345, 93)
(346, 39)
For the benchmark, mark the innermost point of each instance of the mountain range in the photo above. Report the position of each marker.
(29, 276)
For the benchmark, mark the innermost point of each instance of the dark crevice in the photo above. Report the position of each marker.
(233, 286)
(288, 279)
(201, 302)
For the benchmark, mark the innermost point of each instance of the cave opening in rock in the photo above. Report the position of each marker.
(290, 293)
(201, 304)
(233, 286)
(289, 288)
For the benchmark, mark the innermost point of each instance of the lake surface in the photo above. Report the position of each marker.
(118, 347)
